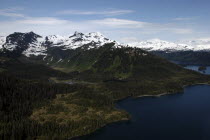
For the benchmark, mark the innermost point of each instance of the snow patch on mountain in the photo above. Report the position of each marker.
(36, 48)
(161, 45)
(200, 44)
(2, 41)
(56, 40)
(10, 46)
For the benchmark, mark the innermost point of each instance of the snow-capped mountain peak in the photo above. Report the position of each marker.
(77, 34)
(200, 44)
(33, 44)
(95, 34)
(79, 39)
(20, 41)
(161, 45)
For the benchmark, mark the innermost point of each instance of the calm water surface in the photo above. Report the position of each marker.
(182, 116)
(207, 71)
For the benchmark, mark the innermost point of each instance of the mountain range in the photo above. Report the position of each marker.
(195, 52)
(35, 45)
(169, 47)
(38, 44)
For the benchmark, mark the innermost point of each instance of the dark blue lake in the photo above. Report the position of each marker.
(181, 116)
(191, 67)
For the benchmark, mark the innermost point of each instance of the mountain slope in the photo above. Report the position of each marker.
(132, 72)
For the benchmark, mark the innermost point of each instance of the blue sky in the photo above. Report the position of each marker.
(121, 20)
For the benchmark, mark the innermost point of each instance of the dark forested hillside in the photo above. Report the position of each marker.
(29, 70)
(19, 98)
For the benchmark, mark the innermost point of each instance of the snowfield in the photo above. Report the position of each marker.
(160, 45)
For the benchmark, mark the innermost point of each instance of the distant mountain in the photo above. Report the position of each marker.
(200, 44)
(195, 52)
(33, 44)
(58, 50)
(161, 45)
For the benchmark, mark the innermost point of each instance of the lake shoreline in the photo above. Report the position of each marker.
(119, 121)
(171, 93)
(162, 113)
(137, 97)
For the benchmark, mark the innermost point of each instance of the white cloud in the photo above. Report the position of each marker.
(11, 12)
(129, 39)
(42, 21)
(145, 27)
(44, 26)
(120, 23)
(7, 14)
(183, 18)
(106, 13)
(182, 31)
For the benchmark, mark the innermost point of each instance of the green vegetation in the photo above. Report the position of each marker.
(17, 99)
(28, 70)
(84, 112)
(2, 70)
(35, 110)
